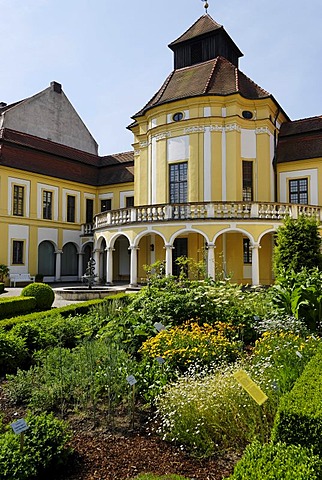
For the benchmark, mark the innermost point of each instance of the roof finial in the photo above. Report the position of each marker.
(206, 5)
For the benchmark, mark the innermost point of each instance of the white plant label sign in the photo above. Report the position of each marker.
(19, 426)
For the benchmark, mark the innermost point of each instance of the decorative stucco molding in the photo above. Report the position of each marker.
(216, 128)
(195, 129)
(231, 127)
(260, 130)
(161, 136)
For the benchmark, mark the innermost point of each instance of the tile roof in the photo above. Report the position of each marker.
(300, 139)
(204, 24)
(214, 77)
(302, 125)
(50, 158)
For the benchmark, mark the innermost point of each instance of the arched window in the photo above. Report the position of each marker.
(69, 263)
(46, 259)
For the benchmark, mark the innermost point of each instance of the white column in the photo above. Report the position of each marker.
(58, 265)
(109, 265)
(168, 259)
(211, 260)
(134, 266)
(255, 263)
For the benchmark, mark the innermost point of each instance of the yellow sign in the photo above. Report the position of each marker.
(251, 388)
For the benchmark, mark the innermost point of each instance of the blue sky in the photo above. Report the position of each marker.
(112, 56)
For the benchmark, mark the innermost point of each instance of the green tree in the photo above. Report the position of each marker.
(297, 246)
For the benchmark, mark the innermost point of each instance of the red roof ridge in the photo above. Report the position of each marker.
(307, 119)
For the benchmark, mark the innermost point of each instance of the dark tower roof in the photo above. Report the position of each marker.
(203, 41)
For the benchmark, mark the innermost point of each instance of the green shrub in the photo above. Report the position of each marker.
(43, 294)
(13, 353)
(299, 417)
(1, 287)
(11, 306)
(277, 462)
(44, 448)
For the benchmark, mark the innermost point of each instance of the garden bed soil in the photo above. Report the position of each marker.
(100, 454)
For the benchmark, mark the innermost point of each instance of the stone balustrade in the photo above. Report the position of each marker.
(205, 211)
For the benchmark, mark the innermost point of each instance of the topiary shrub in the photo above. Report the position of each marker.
(277, 462)
(43, 294)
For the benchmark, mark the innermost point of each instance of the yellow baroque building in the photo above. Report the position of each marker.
(213, 173)
(215, 167)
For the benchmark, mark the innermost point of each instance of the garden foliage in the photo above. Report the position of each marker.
(11, 306)
(298, 245)
(277, 462)
(299, 417)
(43, 294)
(45, 447)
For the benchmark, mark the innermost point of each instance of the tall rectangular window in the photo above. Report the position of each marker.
(17, 252)
(129, 202)
(47, 205)
(18, 200)
(71, 208)
(247, 251)
(178, 179)
(89, 210)
(247, 181)
(298, 191)
(106, 205)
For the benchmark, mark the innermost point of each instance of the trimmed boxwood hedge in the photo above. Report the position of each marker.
(11, 306)
(72, 309)
(299, 416)
(277, 462)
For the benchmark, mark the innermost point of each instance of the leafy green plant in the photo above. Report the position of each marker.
(43, 294)
(297, 245)
(281, 357)
(45, 447)
(299, 294)
(277, 462)
(92, 374)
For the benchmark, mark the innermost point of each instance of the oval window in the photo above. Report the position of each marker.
(177, 117)
(247, 114)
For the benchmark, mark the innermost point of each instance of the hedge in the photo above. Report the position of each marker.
(299, 415)
(66, 311)
(11, 306)
(1, 287)
(277, 462)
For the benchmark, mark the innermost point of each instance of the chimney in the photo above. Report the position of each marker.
(3, 104)
(56, 87)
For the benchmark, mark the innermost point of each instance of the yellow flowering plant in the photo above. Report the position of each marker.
(182, 345)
